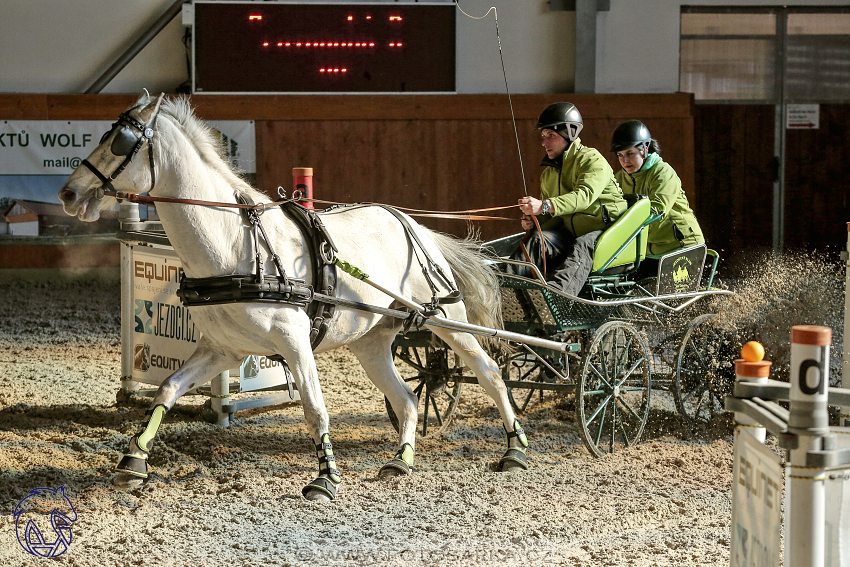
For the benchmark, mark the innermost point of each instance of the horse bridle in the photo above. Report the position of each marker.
(127, 144)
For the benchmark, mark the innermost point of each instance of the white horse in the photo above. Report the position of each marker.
(179, 158)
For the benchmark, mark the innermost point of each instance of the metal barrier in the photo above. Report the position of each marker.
(158, 335)
(817, 470)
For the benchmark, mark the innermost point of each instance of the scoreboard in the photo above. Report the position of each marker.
(270, 47)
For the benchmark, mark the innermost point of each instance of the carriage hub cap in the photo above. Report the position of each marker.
(616, 391)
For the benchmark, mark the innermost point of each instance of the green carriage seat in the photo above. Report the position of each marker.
(623, 244)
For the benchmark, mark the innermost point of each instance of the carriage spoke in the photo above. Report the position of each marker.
(436, 410)
(629, 407)
(631, 371)
(604, 409)
(614, 420)
(603, 377)
(626, 349)
(626, 439)
(601, 407)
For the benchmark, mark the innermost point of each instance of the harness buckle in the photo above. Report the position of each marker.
(327, 252)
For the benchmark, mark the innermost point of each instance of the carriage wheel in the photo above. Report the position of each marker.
(613, 396)
(704, 371)
(437, 376)
(525, 367)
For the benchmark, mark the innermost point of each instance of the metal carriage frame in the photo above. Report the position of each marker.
(608, 348)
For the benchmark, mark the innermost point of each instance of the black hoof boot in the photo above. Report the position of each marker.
(323, 488)
(515, 458)
(133, 468)
(401, 465)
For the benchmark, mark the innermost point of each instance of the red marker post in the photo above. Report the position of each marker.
(302, 180)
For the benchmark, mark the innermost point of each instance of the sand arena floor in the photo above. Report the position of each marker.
(232, 496)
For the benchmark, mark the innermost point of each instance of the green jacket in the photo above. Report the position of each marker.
(579, 185)
(659, 181)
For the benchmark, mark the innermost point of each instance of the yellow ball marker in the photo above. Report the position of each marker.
(752, 352)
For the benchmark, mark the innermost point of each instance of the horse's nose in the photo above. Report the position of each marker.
(67, 195)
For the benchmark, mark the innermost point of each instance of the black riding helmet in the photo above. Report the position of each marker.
(629, 134)
(563, 118)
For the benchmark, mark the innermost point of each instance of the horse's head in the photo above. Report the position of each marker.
(110, 164)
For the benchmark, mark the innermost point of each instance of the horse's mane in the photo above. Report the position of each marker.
(208, 144)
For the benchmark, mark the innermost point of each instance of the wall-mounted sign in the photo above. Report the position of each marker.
(56, 147)
(802, 116)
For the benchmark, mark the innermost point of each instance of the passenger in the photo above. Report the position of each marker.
(645, 173)
(579, 198)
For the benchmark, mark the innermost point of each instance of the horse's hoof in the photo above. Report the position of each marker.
(125, 481)
(393, 469)
(316, 496)
(509, 466)
(513, 460)
(390, 473)
(320, 490)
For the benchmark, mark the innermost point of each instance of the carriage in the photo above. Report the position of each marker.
(264, 279)
(621, 338)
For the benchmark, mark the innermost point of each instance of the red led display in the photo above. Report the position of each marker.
(243, 47)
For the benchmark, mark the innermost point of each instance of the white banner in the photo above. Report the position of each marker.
(56, 147)
(164, 335)
(756, 500)
(258, 372)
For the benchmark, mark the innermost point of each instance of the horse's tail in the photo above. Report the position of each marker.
(475, 279)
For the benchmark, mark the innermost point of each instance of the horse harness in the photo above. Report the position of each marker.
(127, 144)
(320, 303)
(319, 300)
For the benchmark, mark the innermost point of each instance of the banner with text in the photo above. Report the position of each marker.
(56, 147)
(164, 335)
(756, 500)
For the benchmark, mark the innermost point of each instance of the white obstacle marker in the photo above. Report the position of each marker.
(158, 335)
(817, 471)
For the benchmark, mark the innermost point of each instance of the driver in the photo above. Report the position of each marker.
(579, 198)
(644, 172)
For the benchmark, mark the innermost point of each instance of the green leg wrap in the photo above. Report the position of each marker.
(517, 433)
(515, 455)
(329, 477)
(402, 462)
(147, 434)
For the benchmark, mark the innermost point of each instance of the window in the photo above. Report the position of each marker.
(765, 55)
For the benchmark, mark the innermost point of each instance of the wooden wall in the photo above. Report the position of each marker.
(735, 173)
(441, 152)
(736, 170)
(817, 174)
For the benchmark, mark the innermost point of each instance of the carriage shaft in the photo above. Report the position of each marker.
(437, 321)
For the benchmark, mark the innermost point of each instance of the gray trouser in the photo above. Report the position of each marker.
(569, 259)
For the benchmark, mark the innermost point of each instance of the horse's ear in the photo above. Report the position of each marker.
(151, 109)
